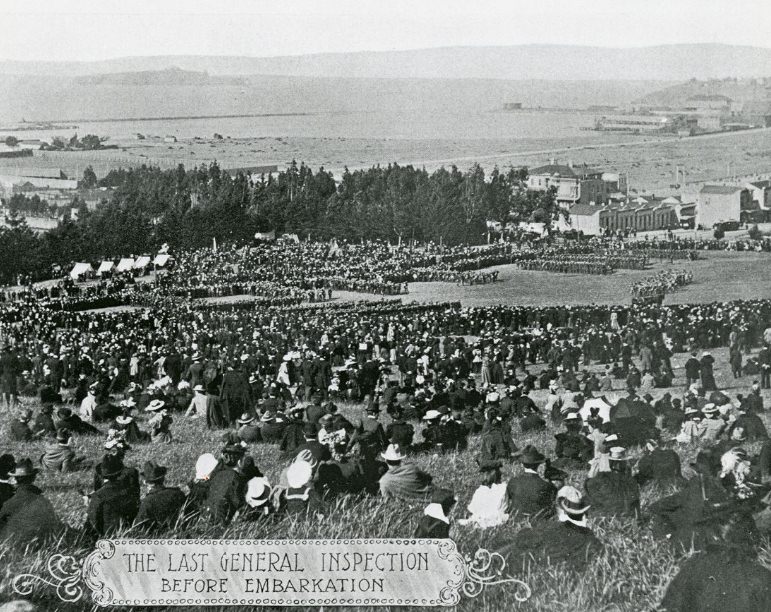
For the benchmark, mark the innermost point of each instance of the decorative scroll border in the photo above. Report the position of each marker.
(469, 576)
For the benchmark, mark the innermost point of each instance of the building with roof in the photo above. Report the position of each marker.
(761, 193)
(574, 184)
(718, 203)
(639, 216)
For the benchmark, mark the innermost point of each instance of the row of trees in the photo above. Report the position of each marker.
(188, 207)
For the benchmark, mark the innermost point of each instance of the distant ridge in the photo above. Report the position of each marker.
(522, 62)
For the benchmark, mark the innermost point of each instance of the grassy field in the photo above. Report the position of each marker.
(631, 574)
(717, 276)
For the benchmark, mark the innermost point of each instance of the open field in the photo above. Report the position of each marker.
(648, 161)
(631, 575)
(718, 276)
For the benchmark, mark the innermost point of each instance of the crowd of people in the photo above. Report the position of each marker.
(430, 377)
(661, 283)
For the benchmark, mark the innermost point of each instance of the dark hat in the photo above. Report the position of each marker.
(309, 430)
(23, 467)
(487, 465)
(112, 465)
(552, 473)
(442, 496)
(7, 464)
(63, 435)
(152, 472)
(245, 418)
(530, 455)
(64, 412)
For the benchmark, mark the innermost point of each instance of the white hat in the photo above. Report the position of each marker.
(183, 384)
(618, 453)
(571, 501)
(709, 408)
(156, 404)
(198, 388)
(419, 379)
(299, 474)
(128, 403)
(205, 466)
(257, 492)
(493, 397)
(393, 452)
(572, 416)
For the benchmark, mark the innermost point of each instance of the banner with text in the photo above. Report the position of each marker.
(361, 572)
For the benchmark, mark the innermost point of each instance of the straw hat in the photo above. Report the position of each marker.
(257, 492)
(299, 474)
(393, 453)
(571, 501)
(205, 465)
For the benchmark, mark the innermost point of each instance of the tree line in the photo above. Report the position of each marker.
(186, 208)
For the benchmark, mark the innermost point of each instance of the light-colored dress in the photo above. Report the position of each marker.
(488, 506)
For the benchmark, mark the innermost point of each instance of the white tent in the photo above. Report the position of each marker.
(596, 402)
(125, 264)
(79, 269)
(105, 266)
(141, 262)
(161, 259)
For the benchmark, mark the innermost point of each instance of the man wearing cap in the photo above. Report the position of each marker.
(573, 449)
(713, 424)
(198, 403)
(28, 515)
(88, 405)
(272, 425)
(496, 441)
(567, 540)
(615, 492)
(435, 523)
(403, 480)
(755, 399)
(235, 393)
(248, 430)
(320, 452)
(528, 494)
(112, 506)
(161, 507)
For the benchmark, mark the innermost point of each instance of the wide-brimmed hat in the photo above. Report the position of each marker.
(199, 388)
(152, 472)
(23, 467)
(129, 402)
(443, 496)
(299, 474)
(531, 455)
(205, 465)
(552, 473)
(64, 412)
(492, 397)
(155, 405)
(267, 417)
(257, 491)
(571, 501)
(393, 453)
(63, 435)
(572, 416)
(431, 415)
(245, 418)
(710, 408)
(618, 453)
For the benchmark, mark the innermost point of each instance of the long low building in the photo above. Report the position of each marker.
(641, 215)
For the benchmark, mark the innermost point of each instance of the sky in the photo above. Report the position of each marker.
(87, 30)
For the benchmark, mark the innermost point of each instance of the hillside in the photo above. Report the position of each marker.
(744, 91)
(523, 62)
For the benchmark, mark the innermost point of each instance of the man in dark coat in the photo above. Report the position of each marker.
(573, 449)
(755, 399)
(20, 431)
(248, 430)
(292, 436)
(28, 515)
(227, 488)
(435, 522)
(74, 423)
(314, 411)
(44, 423)
(162, 505)
(567, 541)
(660, 465)
(725, 576)
(692, 370)
(235, 394)
(497, 444)
(399, 431)
(272, 425)
(319, 452)
(7, 465)
(528, 494)
(111, 507)
(370, 434)
(614, 493)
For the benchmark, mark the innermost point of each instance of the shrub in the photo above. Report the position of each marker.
(754, 232)
(719, 233)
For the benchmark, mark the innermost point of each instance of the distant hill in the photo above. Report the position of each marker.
(744, 91)
(180, 93)
(523, 62)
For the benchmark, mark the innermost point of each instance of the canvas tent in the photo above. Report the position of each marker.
(125, 264)
(79, 269)
(161, 259)
(105, 266)
(141, 262)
